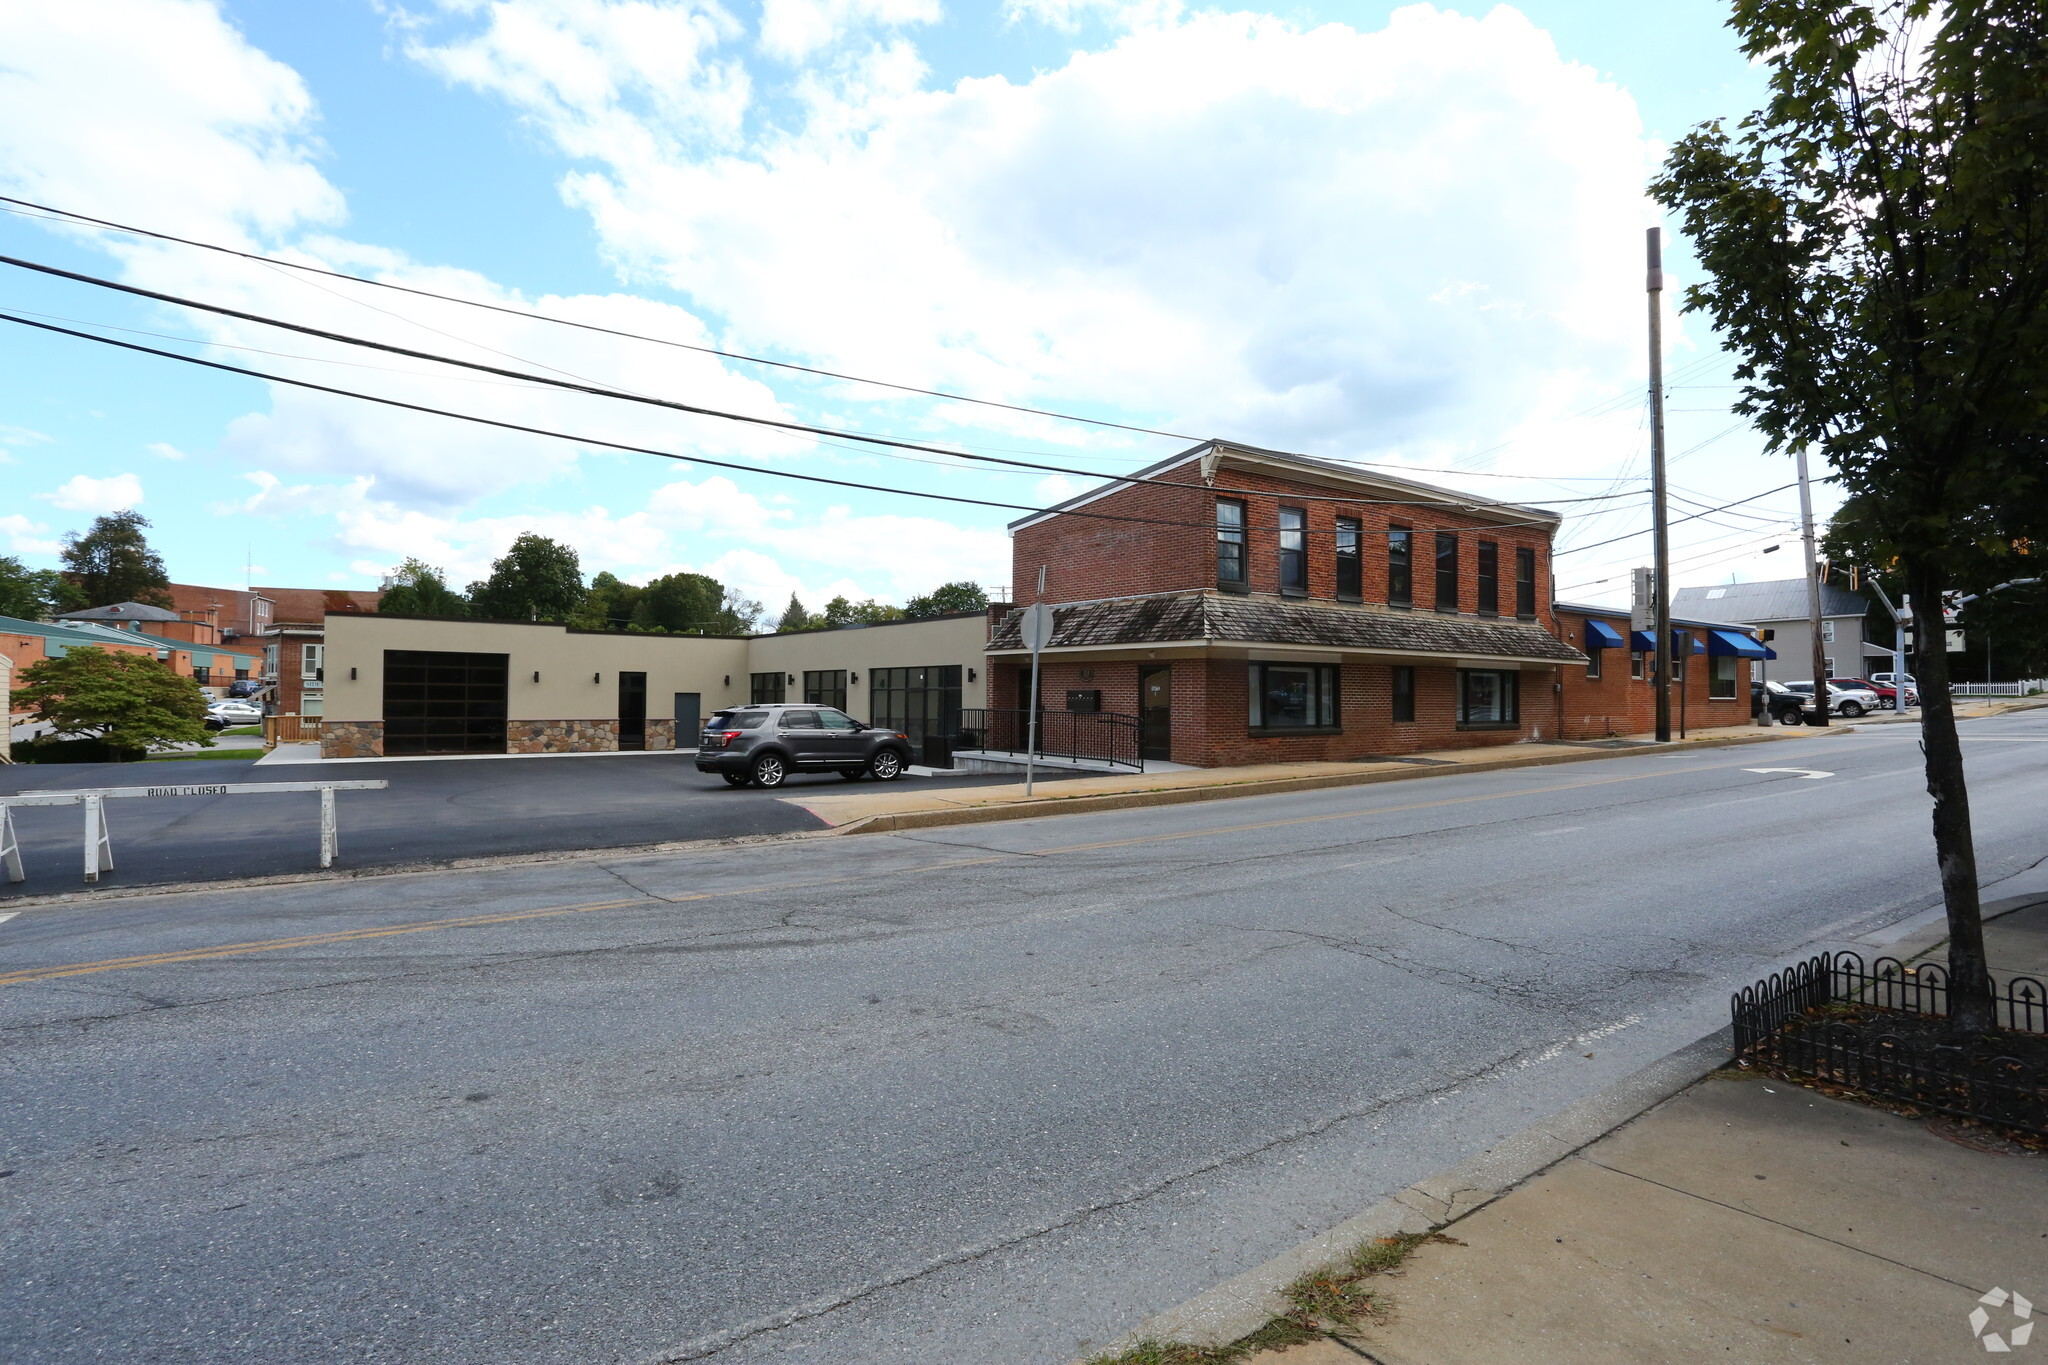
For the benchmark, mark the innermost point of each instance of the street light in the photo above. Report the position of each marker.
(1962, 602)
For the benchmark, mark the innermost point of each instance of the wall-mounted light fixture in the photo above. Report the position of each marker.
(728, 680)
(351, 675)
(970, 675)
(536, 675)
(595, 677)
(853, 677)
(792, 678)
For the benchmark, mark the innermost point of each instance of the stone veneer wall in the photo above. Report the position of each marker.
(352, 739)
(561, 736)
(661, 734)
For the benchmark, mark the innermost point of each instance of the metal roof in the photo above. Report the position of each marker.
(1782, 599)
(123, 611)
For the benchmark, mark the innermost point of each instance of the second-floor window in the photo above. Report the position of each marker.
(1350, 567)
(1293, 550)
(1489, 578)
(1446, 571)
(1525, 583)
(1400, 566)
(312, 662)
(1229, 543)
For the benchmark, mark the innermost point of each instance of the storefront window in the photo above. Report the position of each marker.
(1293, 696)
(1489, 697)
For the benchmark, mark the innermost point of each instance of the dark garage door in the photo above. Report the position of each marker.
(439, 703)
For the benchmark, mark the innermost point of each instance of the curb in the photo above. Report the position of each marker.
(1244, 1303)
(893, 821)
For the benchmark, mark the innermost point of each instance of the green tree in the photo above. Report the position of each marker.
(681, 603)
(965, 596)
(608, 605)
(867, 612)
(536, 580)
(127, 701)
(794, 618)
(1875, 243)
(33, 594)
(417, 588)
(112, 562)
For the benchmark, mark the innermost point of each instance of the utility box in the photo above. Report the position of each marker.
(1084, 699)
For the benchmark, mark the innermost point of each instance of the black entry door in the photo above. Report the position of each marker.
(439, 702)
(1155, 712)
(632, 710)
(689, 718)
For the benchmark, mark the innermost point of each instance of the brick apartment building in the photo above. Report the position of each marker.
(1251, 606)
(254, 611)
(1612, 694)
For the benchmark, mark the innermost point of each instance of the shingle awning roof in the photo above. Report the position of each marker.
(1219, 618)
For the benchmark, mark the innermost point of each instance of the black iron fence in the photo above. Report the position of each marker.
(1783, 1021)
(1098, 736)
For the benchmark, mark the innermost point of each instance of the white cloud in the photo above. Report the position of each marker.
(1320, 239)
(165, 450)
(794, 29)
(83, 493)
(22, 436)
(27, 537)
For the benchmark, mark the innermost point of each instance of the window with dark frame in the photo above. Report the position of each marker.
(1404, 693)
(825, 687)
(1293, 550)
(1489, 698)
(1229, 543)
(1400, 566)
(1721, 687)
(1293, 696)
(1350, 566)
(1489, 578)
(767, 687)
(1446, 571)
(1635, 663)
(1525, 583)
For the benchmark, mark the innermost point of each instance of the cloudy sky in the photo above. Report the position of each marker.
(1406, 234)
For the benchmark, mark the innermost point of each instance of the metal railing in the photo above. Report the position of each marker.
(1805, 1020)
(1091, 736)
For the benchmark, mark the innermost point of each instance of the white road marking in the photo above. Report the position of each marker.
(1811, 773)
(8, 916)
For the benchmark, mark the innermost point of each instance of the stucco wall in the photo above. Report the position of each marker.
(564, 660)
(898, 644)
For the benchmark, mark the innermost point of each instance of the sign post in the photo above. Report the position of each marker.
(1036, 629)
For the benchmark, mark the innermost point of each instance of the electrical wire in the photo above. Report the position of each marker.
(890, 443)
(663, 454)
(1674, 521)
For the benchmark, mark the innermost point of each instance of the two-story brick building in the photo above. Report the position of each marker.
(1252, 606)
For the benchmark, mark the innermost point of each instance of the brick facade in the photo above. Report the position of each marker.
(1618, 702)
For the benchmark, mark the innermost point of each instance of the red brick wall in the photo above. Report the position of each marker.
(1089, 557)
(309, 605)
(1617, 704)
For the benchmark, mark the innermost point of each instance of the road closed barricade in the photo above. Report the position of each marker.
(99, 848)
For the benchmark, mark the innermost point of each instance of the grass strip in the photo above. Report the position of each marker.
(1327, 1301)
(204, 753)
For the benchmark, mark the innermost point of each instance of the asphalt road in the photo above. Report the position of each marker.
(433, 811)
(980, 1095)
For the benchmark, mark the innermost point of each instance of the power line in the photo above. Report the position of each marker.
(62, 215)
(648, 450)
(342, 338)
(1674, 521)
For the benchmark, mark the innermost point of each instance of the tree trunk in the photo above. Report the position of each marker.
(1969, 990)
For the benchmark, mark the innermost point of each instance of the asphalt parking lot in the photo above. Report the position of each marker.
(433, 812)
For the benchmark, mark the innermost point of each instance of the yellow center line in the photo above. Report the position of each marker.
(116, 964)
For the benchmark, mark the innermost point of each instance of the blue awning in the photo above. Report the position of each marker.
(1645, 643)
(1770, 653)
(1721, 643)
(1600, 635)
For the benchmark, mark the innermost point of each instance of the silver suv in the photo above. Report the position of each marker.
(765, 744)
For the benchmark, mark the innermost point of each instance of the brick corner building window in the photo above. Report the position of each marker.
(1593, 662)
(1404, 693)
(1525, 583)
(1293, 697)
(767, 687)
(1489, 699)
(1350, 567)
(1230, 544)
(1446, 571)
(1294, 551)
(1400, 566)
(1489, 578)
(1721, 687)
(1635, 663)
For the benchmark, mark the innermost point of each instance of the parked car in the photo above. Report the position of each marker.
(764, 744)
(1786, 707)
(1842, 701)
(1887, 695)
(245, 687)
(228, 713)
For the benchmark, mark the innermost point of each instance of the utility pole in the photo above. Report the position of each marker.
(1899, 669)
(1821, 705)
(1660, 583)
